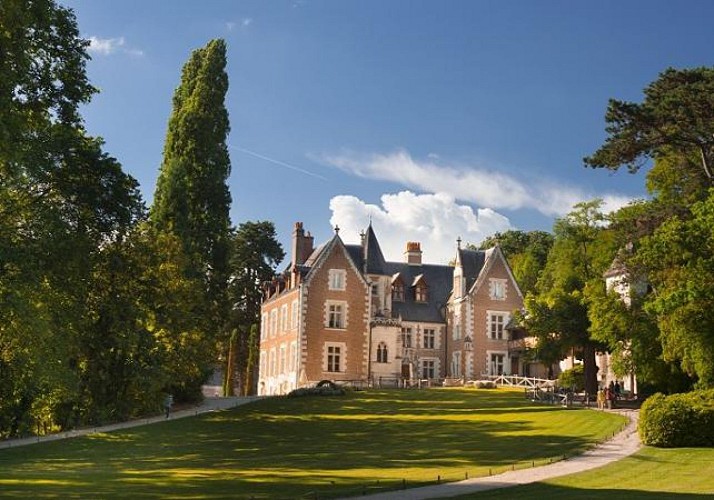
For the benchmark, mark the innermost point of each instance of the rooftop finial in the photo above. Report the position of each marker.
(337, 229)
(458, 242)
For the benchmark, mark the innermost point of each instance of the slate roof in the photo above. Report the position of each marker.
(472, 261)
(374, 258)
(438, 280)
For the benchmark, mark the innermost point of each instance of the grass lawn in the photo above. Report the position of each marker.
(288, 448)
(651, 473)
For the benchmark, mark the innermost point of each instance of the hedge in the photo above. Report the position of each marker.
(679, 420)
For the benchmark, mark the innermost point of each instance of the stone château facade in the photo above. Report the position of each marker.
(343, 312)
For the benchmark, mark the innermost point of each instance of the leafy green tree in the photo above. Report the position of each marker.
(255, 254)
(526, 253)
(676, 116)
(192, 199)
(557, 313)
(678, 257)
(61, 199)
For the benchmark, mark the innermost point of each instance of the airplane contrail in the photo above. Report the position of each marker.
(278, 162)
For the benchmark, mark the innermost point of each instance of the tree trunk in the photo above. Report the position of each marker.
(590, 368)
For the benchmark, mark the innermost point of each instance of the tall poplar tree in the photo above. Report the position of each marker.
(192, 200)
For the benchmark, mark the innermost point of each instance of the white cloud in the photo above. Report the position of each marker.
(481, 186)
(108, 46)
(435, 220)
(243, 22)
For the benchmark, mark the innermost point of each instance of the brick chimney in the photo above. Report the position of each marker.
(413, 253)
(302, 245)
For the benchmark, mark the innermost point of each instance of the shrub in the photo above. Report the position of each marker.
(678, 420)
(573, 378)
(484, 384)
(324, 390)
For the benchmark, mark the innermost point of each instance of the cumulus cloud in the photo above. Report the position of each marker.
(435, 220)
(108, 46)
(242, 22)
(481, 186)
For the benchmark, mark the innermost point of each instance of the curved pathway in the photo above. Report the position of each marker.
(623, 444)
(208, 405)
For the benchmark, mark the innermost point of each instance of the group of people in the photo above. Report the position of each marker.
(606, 396)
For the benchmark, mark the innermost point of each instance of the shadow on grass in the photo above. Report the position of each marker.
(291, 447)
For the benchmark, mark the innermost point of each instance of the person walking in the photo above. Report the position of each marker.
(600, 399)
(168, 403)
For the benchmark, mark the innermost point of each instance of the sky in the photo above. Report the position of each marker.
(433, 120)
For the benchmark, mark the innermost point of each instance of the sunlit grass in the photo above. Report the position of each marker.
(287, 448)
(651, 473)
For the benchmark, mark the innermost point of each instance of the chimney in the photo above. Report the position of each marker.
(302, 245)
(413, 253)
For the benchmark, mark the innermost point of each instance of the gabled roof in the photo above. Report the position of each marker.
(314, 262)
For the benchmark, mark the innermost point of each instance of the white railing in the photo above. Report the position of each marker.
(518, 381)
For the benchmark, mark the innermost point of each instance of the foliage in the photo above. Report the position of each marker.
(325, 390)
(680, 263)
(574, 378)
(557, 312)
(192, 200)
(255, 253)
(526, 253)
(678, 420)
(676, 115)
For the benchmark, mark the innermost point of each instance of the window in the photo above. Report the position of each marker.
(334, 358)
(456, 364)
(428, 368)
(497, 322)
(497, 289)
(429, 338)
(406, 337)
(273, 322)
(457, 331)
(271, 363)
(337, 279)
(497, 364)
(382, 353)
(282, 360)
(263, 326)
(420, 294)
(294, 315)
(292, 355)
(263, 366)
(336, 315)
(283, 318)
(398, 291)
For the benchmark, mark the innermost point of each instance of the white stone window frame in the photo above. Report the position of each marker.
(283, 318)
(342, 365)
(433, 335)
(505, 315)
(456, 364)
(497, 288)
(292, 357)
(343, 305)
(282, 359)
(273, 322)
(294, 312)
(490, 363)
(435, 367)
(263, 326)
(337, 279)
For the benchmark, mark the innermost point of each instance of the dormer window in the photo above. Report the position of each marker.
(420, 289)
(397, 288)
(420, 294)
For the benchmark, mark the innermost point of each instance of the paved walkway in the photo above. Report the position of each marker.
(620, 446)
(208, 405)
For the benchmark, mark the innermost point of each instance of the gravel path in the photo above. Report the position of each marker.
(208, 405)
(620, 446)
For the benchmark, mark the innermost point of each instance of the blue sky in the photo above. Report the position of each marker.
(436, 119)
